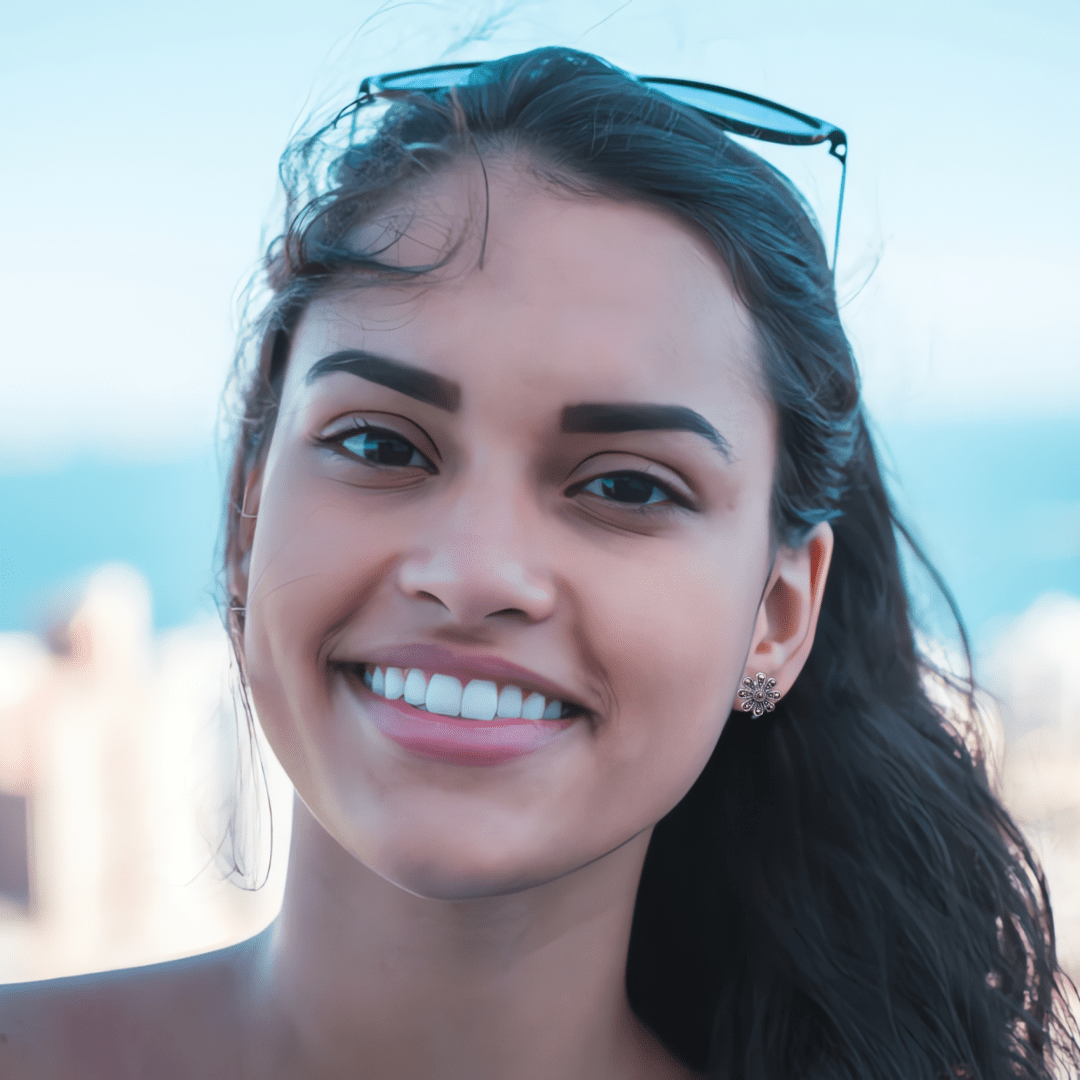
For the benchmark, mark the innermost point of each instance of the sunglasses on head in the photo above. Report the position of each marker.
(731, 110)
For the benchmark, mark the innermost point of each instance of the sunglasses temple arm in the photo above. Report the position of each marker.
(839, 150)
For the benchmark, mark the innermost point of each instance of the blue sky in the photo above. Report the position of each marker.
(141, 142)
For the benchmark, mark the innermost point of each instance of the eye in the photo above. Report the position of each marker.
(379, 447)
(630, 489)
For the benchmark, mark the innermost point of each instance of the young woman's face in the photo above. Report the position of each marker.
(547, 473)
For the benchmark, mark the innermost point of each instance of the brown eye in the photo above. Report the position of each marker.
(629, 488)
(385, 448)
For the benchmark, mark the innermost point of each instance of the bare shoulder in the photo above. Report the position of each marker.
(178, 1019)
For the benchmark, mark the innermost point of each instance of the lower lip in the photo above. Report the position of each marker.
(462, 742)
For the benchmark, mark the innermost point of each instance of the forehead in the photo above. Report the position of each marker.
(542, 284)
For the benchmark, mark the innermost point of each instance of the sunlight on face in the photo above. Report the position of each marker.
(560, 460)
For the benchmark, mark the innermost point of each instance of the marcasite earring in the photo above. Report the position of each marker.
(758, 694)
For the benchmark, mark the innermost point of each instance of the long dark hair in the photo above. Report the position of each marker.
(840, 894)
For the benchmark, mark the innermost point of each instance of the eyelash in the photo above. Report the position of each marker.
(674, 500)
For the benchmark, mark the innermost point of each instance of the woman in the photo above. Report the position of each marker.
(565, 583)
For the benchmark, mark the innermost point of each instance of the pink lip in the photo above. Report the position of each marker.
(432, 658)
(452, 739)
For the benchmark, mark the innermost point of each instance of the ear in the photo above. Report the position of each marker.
(239, 562)
(788, 615)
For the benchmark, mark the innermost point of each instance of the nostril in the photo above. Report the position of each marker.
(510, 611)
(430, 596)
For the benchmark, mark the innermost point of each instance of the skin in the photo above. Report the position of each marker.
(444, 920)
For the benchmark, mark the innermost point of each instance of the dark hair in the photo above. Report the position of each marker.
(840, 894)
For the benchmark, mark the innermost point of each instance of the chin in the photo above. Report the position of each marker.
(463, 873)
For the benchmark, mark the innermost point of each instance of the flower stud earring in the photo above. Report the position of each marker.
(758, 694)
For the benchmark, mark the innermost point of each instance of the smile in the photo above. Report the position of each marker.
(456, 737)
(478, 699)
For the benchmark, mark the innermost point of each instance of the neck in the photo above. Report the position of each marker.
(364, 978)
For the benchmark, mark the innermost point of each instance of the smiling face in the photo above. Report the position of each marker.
(551, 472)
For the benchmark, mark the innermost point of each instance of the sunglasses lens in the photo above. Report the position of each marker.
(752, 114)
(426, 80)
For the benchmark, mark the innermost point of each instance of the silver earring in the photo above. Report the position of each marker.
(758, 694)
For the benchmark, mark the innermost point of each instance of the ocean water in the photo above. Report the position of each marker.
(57, 526)
(995, 505)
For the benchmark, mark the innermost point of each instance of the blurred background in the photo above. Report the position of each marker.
(141, 146)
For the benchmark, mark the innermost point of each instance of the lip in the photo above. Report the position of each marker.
(453, 739)
(438, 658)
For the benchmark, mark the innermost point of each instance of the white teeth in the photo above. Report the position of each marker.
(480, 700)
(509, 707)
(395, 683)
(415, 687)
(532, 708)
(443, 695)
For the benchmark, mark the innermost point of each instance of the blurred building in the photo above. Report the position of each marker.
(119, 758)
(1033, 670)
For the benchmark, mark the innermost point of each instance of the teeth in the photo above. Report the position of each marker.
(481, 699)
(415, 687)
(395, 683)
(532, 708)
(509, 707)
(443, 695)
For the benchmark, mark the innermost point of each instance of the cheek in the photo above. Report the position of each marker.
(677, 633)
(314, 556)
(314, 560)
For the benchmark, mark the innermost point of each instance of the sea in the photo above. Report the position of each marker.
(994, 504)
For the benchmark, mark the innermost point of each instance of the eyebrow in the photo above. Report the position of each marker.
(603, 418)
(593, 418)
(412, 381)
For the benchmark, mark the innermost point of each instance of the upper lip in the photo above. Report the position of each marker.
(440, 659)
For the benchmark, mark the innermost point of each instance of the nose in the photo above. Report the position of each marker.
(480, 559)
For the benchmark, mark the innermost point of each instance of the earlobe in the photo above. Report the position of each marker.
(786, 622)
(759, 694)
